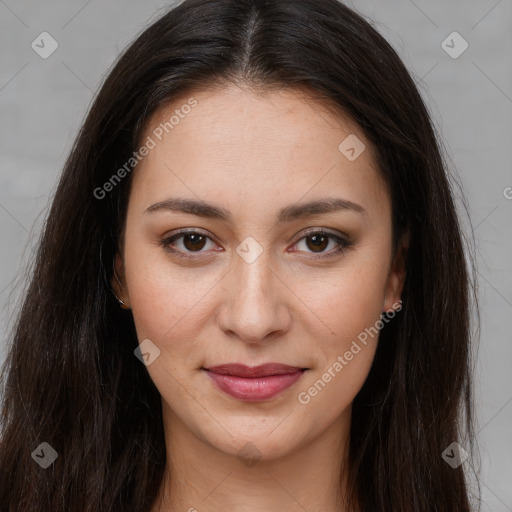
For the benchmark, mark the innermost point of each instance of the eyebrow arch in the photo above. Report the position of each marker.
(286, 214)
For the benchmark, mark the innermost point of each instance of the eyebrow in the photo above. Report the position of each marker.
(286, 214)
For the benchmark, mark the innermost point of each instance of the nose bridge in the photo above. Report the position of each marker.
(254, 278)
(252, 302)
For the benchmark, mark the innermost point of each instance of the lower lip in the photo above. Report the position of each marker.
(254, 389)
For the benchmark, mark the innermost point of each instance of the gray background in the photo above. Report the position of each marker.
(43, 101)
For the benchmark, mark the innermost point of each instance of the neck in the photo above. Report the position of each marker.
(200, 477)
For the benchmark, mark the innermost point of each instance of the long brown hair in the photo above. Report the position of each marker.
(71, 378)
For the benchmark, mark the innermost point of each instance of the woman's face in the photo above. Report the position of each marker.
(287, 258)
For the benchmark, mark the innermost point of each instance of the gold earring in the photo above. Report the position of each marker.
(123, 305)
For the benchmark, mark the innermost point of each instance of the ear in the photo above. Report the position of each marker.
(118, 282)
(396, 276)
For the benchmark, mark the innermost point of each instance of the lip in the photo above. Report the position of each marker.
(254, 383)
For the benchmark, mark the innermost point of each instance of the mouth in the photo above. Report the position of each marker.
(254, 383)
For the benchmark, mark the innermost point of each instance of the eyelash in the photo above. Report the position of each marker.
(343, 243)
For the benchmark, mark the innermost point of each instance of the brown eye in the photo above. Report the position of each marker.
(318, 242)
(194, 242)
(185, 243)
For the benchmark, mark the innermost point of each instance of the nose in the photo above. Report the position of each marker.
(254, 304)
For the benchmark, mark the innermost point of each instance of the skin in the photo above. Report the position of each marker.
(253, 154)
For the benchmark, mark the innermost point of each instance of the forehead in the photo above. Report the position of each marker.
(239, 146)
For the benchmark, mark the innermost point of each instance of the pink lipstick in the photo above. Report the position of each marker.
(254, 383)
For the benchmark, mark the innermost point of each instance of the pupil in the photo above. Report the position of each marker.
(194, 241)
(319, 241)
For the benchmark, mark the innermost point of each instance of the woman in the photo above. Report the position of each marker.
(251, 290)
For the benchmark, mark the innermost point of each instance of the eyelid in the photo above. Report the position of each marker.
(326, 231)
(199, 231)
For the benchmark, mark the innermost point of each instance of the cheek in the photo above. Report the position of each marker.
(167, 302)
(343, 356)
(347, 299)
(330, 390)
(349, 304)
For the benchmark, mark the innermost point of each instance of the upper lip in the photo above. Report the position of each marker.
(263, 370)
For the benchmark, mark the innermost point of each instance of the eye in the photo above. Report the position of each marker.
(317, 242)
(188, 242)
